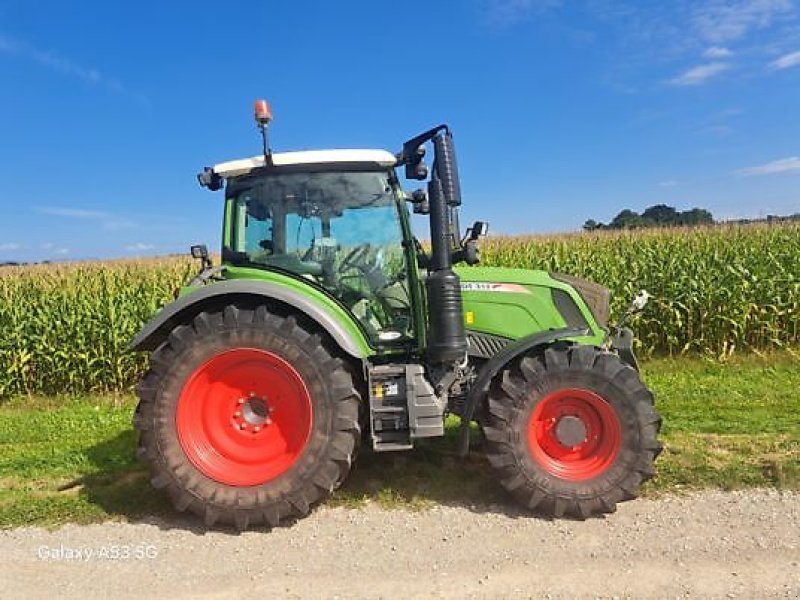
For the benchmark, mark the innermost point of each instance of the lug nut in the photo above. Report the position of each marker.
(256, 429)
(267, 421)
(237, 414)
(243, 426)
(241, 400)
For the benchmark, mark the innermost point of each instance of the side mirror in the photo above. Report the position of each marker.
(200, 252)
(208, 179)
(470, 253)
(416, 168)
(419, 198)
(478, 230)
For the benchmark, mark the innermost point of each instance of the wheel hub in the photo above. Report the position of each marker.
(252, 413)
(570, 431)
(244, 417)
(574, 434)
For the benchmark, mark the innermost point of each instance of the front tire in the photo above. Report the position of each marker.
(571, 431)
(247, 417)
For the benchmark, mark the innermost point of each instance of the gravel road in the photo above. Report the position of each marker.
(708, 545)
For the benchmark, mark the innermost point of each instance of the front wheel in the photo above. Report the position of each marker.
(571, 431)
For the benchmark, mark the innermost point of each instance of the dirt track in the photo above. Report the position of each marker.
(708, 545)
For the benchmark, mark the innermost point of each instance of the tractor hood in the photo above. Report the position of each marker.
(515, 303)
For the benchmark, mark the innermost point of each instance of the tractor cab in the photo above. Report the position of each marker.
(334, 219)
(339, 220)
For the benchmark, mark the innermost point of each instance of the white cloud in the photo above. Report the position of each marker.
(65, 66)
(668, 183)
(700, 74)
(784, 165)
(8, 246)
(62, 251)
(683, 26)
(139, 247)
(108, 221)
(717, 52)
(786, 61)
(720, 21)
(47, 246)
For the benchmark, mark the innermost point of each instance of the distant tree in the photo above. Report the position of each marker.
(627, 219)
(592, 225)
(696, 216)
(623, 218)
(661, 214)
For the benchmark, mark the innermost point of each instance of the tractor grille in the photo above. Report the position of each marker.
(485, 345)
(596, 296)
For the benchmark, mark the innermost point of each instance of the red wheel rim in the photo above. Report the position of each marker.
(244, 417)
(574, 434)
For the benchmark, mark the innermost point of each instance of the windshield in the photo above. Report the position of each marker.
(340, 229)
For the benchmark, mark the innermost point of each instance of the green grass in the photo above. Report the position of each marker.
(726, 425)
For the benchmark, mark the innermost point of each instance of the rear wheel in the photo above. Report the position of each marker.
(246, 417)
(572, 431)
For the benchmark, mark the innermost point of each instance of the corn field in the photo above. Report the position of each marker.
(65, 328)
(716, 290)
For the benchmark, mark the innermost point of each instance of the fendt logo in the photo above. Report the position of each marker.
(513, 288)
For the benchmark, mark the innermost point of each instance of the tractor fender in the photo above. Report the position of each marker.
(495, 364)
(186, 307)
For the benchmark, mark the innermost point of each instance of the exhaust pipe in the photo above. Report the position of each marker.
(447, 339)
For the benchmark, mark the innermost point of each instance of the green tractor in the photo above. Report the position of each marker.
(327, 324)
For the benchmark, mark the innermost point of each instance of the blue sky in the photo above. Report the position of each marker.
(562, 110)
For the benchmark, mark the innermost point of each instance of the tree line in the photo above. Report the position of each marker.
(659, 215)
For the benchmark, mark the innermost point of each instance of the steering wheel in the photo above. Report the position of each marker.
(355, 258)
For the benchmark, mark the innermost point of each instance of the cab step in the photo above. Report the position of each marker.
(403, 406)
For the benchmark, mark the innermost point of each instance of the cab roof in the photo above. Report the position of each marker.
(367, 158)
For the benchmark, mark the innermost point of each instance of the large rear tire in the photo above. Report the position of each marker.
(571, 431)
(246, 417)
